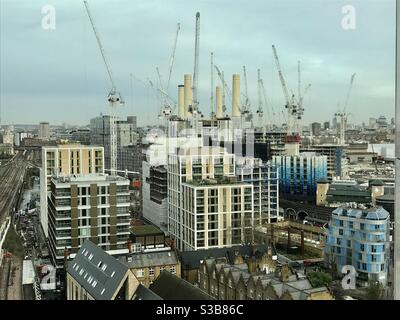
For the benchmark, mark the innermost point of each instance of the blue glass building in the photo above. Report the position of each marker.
(359, 237)
(299, 174)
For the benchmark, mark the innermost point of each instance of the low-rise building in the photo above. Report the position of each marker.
(237, 282)
(147, 266)
(191, 260)
(95, 275)
(148, 236)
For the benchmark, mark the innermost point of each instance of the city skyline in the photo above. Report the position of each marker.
(73, 81)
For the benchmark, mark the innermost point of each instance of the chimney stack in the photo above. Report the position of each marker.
(188, 94)
(181, 101)
(236, 95)
(218, 101)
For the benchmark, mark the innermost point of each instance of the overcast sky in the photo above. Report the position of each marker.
(59, 76)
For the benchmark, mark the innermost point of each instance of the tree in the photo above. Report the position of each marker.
(319, 279)
(374, 291)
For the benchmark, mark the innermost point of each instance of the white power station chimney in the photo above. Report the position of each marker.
(188, 94)
(236, 95)
(218, 101)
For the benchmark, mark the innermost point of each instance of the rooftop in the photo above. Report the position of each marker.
(149, 259)
(87, 178)
(214, 182)
(96, 271)
(368, 214)
(145, 229)
(170, 287)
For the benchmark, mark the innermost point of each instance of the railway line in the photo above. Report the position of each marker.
(11, 180)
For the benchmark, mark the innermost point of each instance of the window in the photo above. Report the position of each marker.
(364, 266)
(172, 269)
(151, 272)
(140, 273)
(102, 291)
(112, 274)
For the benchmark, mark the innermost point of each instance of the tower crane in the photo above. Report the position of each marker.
(212, 86)
(300, 111)
(271, 114)
(114, 98)
(225, 88)
(260, 112)
(343, 114)
(196, 64)
(166, 110)
(290, 105)
(172, 59)
(246, 107)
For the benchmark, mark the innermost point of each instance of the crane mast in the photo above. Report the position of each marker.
(247, 100)
(260, 111)
(292, 109)
(212, 85)
(343, 114)
(224, 85)
(196, 61)
(114, 97)
(172, 59)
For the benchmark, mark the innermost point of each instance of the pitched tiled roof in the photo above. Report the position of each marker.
(191, 259)
(170, 287)
(143, 293)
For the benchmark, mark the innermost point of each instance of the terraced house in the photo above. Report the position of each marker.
(260, 281)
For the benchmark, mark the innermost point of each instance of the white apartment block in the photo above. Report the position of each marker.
(66, 160)
(207, 207)
(94, 207)
(265, 180)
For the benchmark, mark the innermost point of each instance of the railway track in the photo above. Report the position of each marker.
(11, 181)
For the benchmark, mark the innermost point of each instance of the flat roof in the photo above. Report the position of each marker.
(145, 229)
(87, 178)
(28, 272)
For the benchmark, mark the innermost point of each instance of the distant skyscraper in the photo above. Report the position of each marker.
(316, 128)
(126, 136)
(334, 123)
(326, 125)
(44, 132)
(372, 123)
(381, 122)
